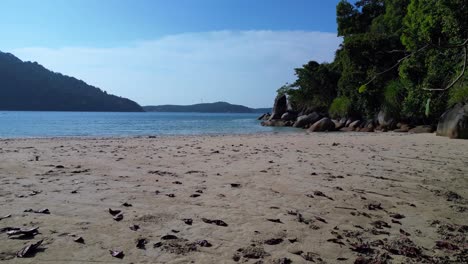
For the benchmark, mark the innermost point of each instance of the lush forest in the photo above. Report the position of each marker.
(405, 57)
(30, 86)
(217, 107)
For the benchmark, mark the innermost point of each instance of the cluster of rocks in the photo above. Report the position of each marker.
(453, 123)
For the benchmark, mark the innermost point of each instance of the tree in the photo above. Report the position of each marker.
(402, 56)
(314, 88)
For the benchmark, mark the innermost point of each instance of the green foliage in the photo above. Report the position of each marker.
(393, 96)
(459, 93)
(382, 41)
(392, 93)
(315, 86)
(440, 22)
(340, 107)
(284, 89)
(362, 88)
(28, 86)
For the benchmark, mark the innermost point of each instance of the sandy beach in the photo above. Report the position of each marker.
(279, 198)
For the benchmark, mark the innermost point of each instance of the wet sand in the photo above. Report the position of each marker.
(280, 198)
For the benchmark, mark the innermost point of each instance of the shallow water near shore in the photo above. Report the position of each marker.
(63, 124)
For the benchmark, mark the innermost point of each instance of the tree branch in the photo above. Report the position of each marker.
(463, 44)
(465, 58)
(396, 64)
(459, 45)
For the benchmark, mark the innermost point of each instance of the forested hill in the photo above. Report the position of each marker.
(218, 107)
(28, 86)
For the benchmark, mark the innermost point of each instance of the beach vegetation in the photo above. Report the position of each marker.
(405, 56)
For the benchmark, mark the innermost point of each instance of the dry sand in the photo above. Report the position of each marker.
(318, 198)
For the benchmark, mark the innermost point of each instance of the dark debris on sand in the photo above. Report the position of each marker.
(215, 222)
(29, 250)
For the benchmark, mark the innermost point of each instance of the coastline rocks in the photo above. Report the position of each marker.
(264, 117)
(338, 125)
(289, 116)
(277, 123)
(324, 124)
(454, 122)
(349, 121)
(385, 119)
(367, 126)
(402, 128)
(280, 107)
(355, 124)
(421, 129)
(306, 120)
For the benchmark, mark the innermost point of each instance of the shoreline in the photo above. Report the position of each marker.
(266, 133)
(296, 196)
(299, 131)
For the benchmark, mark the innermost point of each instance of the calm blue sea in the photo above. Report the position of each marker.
(63, 124)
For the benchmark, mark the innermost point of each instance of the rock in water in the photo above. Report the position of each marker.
(324, 124)
(264, 117)
(454, 122)
(280, 107)
(306, 120)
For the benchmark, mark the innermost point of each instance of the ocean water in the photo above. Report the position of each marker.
(15, 124)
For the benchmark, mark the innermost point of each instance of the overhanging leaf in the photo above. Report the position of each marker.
(362, 89)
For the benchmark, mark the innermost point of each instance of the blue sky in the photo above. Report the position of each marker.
(173, 52)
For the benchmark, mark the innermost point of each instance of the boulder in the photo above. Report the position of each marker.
(306, 120)
(338, 124)
(355, 124)
(402, 128)
(280, 107)
(324, 124)
(289, 116)
(405, 126)
(349, 121)
(343, 120)
(386, 120)
(370, 123)
(264, 117)
(454, 122)
(421, 129)
(276, 123)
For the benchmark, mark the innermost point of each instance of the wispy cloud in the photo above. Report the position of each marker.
(244, 67)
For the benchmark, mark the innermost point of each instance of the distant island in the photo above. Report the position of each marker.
(217, 107)
(28, 86)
